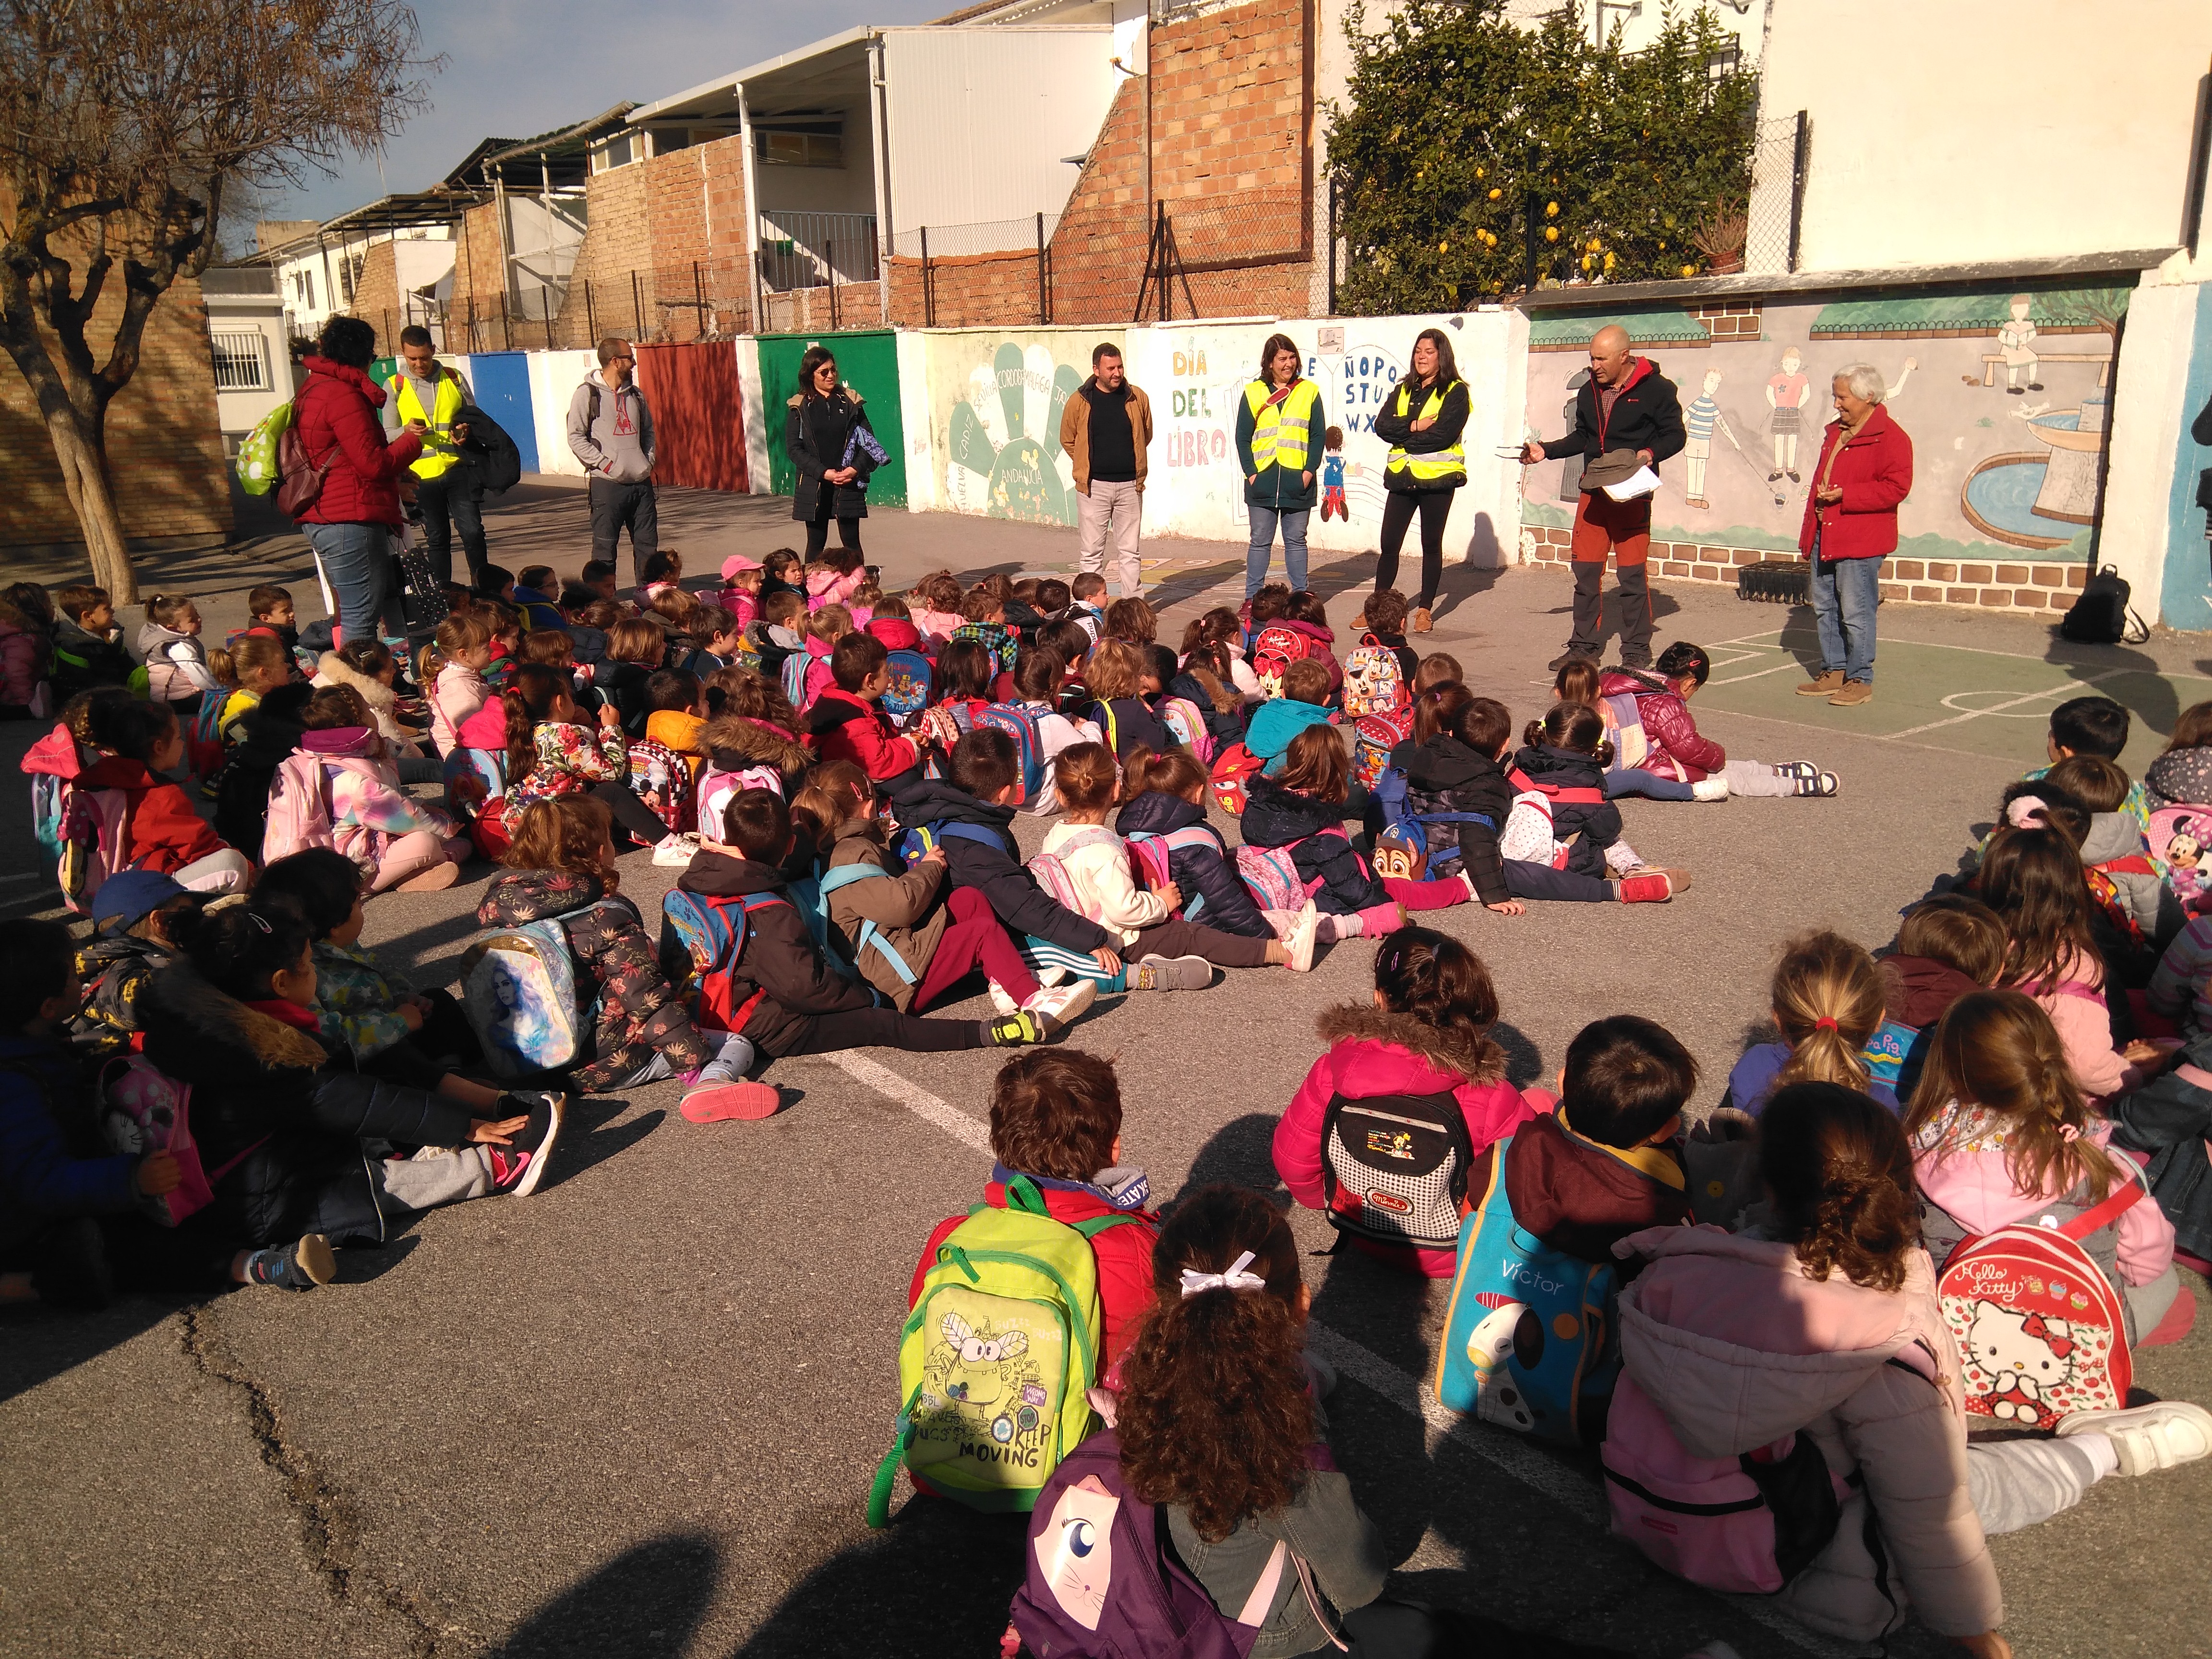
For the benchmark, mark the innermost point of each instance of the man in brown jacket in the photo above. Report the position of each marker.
(1106, 428)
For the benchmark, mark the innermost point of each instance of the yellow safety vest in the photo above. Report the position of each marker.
(439, 450)
(1438, 466)
(1280, 434)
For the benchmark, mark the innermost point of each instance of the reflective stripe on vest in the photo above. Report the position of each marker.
(1281, 436)
(1439, 465)
(439, 450)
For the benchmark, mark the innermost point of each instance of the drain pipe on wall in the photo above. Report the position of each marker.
(759, 322)
(880, 118)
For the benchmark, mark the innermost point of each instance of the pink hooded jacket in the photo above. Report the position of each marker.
(1372, 1052)
(2075, 1003)
(1737, 1346)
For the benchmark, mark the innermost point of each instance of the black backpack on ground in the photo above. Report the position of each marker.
(2099, 615)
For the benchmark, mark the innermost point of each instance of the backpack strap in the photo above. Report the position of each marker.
(1559, 795)
(2122, 1198)
(1098, 1224)
(975, 832)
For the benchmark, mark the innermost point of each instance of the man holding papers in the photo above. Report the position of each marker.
(1628, 420)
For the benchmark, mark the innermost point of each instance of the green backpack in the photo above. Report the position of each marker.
(258, 467)
(997, 1356)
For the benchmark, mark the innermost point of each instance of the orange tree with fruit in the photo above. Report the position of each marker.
(1474, 157)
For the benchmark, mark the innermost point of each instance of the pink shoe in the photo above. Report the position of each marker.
(1650, 886)
(714, 1103)
(435, 879)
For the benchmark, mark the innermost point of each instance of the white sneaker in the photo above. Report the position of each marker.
(2148, 1438)
(1305, 931)
(1061, 1006)
(676, 851)
(1001, 1004)
(1709, 789)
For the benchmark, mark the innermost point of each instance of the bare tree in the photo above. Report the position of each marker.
(123, 126)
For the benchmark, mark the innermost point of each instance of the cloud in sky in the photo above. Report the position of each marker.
(515, 68)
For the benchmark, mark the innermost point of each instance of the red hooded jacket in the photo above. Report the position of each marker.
(1372, 1052)
(162, 833)
(334, 414)
(842, 725)
(896, 633)
(1677, 749)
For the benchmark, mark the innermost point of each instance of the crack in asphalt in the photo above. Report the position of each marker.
(330, 1521)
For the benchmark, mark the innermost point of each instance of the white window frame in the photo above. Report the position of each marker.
(247, 351)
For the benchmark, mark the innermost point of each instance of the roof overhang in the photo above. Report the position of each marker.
(718, 99)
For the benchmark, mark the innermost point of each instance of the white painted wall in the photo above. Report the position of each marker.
(237, 412)
(754, 413)
(2150, 411)
(553, 378)
(925, 467)
(1986, 130)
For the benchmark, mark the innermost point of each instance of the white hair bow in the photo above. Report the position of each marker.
(2021, 813)
(1235, 1279)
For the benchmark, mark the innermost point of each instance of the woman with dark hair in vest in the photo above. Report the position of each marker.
(1422, 423)
(1282, 432)
(827, 435)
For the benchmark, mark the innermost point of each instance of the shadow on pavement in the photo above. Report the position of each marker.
(590, 1142)
(646, 1602)
(38, 1344)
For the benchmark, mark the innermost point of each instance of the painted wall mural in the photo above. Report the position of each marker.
(2005, 393)
(996, 400)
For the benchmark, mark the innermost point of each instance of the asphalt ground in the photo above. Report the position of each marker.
(637, 1412)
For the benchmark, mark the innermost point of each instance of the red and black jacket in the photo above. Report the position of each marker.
(1647, 415)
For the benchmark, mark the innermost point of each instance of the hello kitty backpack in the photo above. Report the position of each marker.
(1097, 1585)
(2040, 1330)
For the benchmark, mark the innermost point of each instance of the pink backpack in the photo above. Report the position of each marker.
(1051, 874)
(716, 788)
(1276, 649)
(96, 841)
(1187, 725)
(299, 810)
(1272, 875)
(144, 1110)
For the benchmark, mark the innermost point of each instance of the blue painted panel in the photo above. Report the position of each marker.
(501, 382)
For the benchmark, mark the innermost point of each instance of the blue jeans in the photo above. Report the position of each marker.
(357, 559)
(1264, 520)
(1844, 593)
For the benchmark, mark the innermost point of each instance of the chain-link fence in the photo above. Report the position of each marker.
(1026, 234)
(1779, 154)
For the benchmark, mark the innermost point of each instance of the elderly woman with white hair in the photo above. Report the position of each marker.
(1864, 470)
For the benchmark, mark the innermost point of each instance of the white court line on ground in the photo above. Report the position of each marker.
(2014, 702)
(1578, 1496)
(1982, 650)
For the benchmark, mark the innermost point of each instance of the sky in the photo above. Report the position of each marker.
(517, 68)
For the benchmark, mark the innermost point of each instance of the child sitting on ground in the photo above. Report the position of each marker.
(1577, 681)
(678, 720)
(1115, 678)
(1673, 746)
(780, 992)
(533, 596)
(260, 665)
(965, 675)
(1609, 1162)
(1163, 799)
(1304, 703)
(1565, 755)
(1132, 619)
(909, 935)
(1039, 673)
(140, 744)
(2096, 726)
(1424, 1034)
(636, 650)
(133, 916)
(552, 754)
(87, 645)
(342, 779)
(367, 666)
(178, 671)
(2002, 1134)
(1947, 946)
(1086, 605)
(27, 650)
(983, 619)
(2182, 774)
(847, 722)
(1090, 875)
(776, 634)
(1056, 1122)
(1828, 1000)
(1382, 623)
(561, 868)
(2122, 880)
(468, 723)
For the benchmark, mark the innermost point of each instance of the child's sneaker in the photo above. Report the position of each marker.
(1709, 789)
(1015, 1030)
(1650, 886)
(1821, 784)
(297, 1267)
(674, 852)
(518, 1166)
(1306, 931)
(435, 879)
(711, 1102)
(1057, 1006)
(1170, 974)
(1001, 1004)
(2148, 1438)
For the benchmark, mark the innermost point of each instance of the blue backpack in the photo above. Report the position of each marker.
(1527, 1341)
(794, 677)
(918, 840)
(1029, 749)
(712, 933)
(844, 875)
(1391, 791)
(1895, 1056)
(518, 988)
(911, 681)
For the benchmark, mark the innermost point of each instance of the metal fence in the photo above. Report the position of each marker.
(816, 250)
(983, 236)
(1780, 151)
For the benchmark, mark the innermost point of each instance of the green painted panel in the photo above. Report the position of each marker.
(1991, 308)
(1669, 327)
(867, 362)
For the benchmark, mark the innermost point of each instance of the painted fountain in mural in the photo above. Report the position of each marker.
(2031, 499)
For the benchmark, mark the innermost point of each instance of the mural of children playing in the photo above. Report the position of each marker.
(1787, 394)
(1332, 476)
(1699, 416)
(2016, 340)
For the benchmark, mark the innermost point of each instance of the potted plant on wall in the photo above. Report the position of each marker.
(1721, 238)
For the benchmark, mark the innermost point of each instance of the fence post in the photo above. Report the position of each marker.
(591, 317)
(545, 309)
(472, 310)
(928, 295)
(1044, 303)
(1797, 186)
(506, 323)
(1167, 293)
(698, 304)
(637, 308)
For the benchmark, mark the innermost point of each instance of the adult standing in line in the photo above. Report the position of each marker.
(350, 522)
(1864, 470)
(430, 395)
(823, 425)
(1106, 429)
(1282, 432)
(1627, 415)
(1422, 424)
(610, 432)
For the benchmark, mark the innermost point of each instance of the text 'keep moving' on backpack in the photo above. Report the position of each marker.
(997, 1356)
(1525, 1342)
(518, 987)
(2040, 1330)
(1098, 1585)
(712, 932)
(1396, 1169)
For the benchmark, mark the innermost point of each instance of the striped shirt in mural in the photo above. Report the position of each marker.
(1698, 418)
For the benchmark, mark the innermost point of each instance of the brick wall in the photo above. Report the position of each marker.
(1228, 102)
(1738, 321)
(164, 446)
(654, 220)
(1907, 581)
(376, 294)
(980, 290)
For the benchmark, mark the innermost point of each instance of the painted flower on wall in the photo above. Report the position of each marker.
(1003, 439)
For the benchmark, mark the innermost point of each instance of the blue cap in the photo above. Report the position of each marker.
(126, 899)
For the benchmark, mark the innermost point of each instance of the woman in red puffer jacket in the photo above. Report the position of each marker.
(1674, 748)
(350, 523)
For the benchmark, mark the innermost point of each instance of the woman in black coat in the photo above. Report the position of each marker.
(822, 427)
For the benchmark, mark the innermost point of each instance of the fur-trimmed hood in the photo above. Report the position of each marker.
(331, 669)
(749, 742)
(199, 1034)
(1479, 1060)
